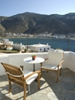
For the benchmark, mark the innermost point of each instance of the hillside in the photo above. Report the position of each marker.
(37, 23)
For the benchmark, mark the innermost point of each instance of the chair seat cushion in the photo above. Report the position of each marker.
(50, 66)
(31, 78)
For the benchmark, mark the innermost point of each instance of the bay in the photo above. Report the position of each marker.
(65, 44)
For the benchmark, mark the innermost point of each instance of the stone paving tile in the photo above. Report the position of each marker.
(39, 96)
(55, 96)
(49, 89)
(69, 96)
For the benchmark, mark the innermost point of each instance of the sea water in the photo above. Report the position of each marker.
(65, 44)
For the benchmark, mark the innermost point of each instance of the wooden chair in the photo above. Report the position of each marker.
(21, 78)
(54, 62)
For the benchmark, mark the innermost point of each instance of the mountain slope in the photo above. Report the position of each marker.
(38, 23)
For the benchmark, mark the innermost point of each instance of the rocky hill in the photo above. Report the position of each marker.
(37, 23)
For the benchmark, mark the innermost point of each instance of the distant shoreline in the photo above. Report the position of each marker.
(65, 44)
(34, 38)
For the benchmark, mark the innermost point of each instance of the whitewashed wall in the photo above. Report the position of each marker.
(3, 58)
(66, 59)
(71, 62)
(17, 59)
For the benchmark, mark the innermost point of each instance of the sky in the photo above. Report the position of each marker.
(48, 7)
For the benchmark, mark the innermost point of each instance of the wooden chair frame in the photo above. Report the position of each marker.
(57, 71)
(16, 75)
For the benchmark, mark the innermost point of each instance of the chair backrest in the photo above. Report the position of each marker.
(54, 57)
(13, 72)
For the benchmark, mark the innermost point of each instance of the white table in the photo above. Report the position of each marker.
(36, 61)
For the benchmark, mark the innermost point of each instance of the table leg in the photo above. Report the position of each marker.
(33, 67)
(34, 71)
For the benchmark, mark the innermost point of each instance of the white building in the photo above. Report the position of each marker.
(7, 42)
(39, 47)
(19, 47)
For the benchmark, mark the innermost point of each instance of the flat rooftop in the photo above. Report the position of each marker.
(40, 45)
(49, 89)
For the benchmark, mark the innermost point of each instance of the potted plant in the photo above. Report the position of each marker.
(33, 57)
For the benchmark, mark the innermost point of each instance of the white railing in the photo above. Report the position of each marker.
(17, 60)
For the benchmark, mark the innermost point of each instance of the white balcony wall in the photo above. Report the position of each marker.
(66, 59)
(17, 60)
(3, 58)
(71, 61)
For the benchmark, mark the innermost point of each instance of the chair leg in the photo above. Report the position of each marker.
(60, 70)
(57, 76)
(41, 73)
(24, 92)
(41, 69)
(38, 82)
(10, 87)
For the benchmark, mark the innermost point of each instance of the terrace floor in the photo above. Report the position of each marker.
(49, 89)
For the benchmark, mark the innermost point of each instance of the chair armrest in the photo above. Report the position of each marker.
(22, 67)
(14, 75)
(60, 63)
(38, 72)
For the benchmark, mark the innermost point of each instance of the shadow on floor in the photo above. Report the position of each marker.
(49, 89)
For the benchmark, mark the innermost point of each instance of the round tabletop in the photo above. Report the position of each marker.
(37, 60)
